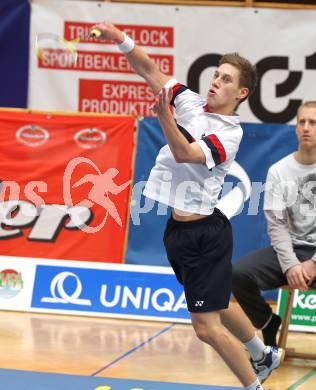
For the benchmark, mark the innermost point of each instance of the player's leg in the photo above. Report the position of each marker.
(200, 253)
(264, 358)
(206, 274)
(236, 321)
(209, 329)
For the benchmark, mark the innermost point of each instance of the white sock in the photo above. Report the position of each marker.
(256, 347)
(255, 386)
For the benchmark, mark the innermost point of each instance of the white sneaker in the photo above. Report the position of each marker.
(271, 360)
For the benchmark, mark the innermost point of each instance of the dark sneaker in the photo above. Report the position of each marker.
(271, 360)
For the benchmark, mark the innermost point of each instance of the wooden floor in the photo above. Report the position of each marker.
(124, 349)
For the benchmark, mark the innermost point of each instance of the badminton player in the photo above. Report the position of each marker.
(203, 137)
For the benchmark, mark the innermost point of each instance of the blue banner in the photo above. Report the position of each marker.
(117, 292)
(148, 218)
(14, 43)
(262, 145)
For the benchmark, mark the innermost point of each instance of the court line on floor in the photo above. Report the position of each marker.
(29, 380)
(302, 380)
(166, 329)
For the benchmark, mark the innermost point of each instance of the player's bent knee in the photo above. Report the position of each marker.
(202, 334)
(207, 334)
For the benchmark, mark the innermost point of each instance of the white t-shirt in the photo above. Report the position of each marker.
(291, 193)
(194, 188)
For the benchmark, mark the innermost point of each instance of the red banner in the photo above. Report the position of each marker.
(65, 185)
(155, 36)
(90, 61)
(118, 97)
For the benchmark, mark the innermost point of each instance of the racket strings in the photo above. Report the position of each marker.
(51, 47)
(56, 51)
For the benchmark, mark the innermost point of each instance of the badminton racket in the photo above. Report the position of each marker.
(52, 47)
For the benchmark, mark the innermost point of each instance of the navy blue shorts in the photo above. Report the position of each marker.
(200, 255)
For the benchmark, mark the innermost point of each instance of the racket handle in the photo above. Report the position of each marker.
(95, 33)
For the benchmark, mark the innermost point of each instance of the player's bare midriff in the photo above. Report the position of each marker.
(179, 215)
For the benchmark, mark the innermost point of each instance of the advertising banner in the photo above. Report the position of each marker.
(102, 81)
(303, 317)
(90, 288)
(111, 290)
(16, 283)
(65, 183)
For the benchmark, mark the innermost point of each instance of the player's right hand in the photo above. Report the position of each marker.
(108, 31)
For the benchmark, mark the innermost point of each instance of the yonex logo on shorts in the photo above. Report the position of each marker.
(199, 303)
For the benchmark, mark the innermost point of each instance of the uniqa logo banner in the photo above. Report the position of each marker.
(109, 291)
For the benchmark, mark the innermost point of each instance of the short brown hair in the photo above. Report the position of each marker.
(248, 72)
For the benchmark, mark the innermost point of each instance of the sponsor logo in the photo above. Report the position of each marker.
(11, 283)
(304, 301)
(46, 220)
(90, 138)
(32, 135)
(59, 295)
(108, 291)
(199, 303)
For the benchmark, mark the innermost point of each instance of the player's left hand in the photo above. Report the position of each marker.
(162, 102)
(310, 268)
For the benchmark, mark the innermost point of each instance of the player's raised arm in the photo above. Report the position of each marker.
(137, 57)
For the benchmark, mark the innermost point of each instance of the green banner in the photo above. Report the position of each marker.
(303, 317)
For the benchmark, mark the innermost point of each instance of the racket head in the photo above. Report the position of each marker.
(49, 44)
